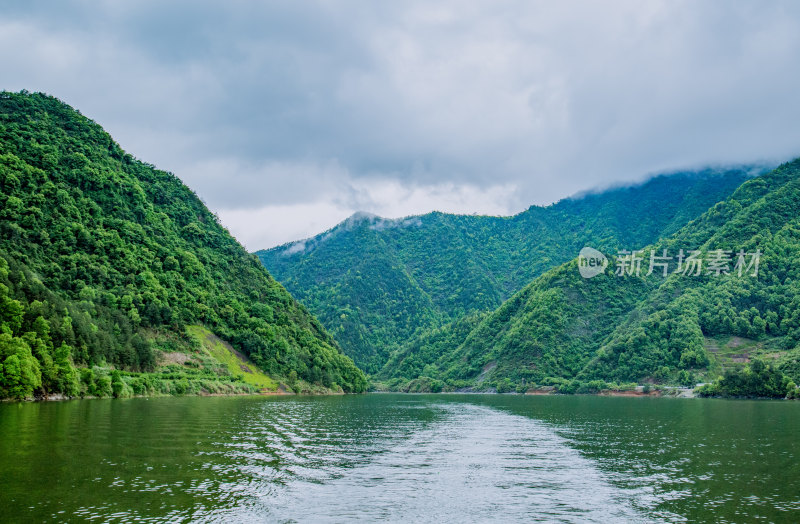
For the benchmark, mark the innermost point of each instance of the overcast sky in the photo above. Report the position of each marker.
(286, 117)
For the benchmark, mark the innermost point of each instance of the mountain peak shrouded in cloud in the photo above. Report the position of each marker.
(354, 221)
(288, 117)
(375, 222)
(749, 170)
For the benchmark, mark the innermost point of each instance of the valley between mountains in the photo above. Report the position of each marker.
(117, 281)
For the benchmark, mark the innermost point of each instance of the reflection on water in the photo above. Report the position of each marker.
(441, 458)
(469, 463)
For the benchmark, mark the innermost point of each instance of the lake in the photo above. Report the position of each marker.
(416, 458)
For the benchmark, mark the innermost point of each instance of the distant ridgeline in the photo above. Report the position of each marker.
(388, 290)
(737, 327)
(104, 263)
(717, 300)
(422, 303)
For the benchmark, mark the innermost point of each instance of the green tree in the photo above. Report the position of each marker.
(20, 375)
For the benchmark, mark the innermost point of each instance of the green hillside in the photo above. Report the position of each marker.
(105, 260)
(568, 331)
(375, 284)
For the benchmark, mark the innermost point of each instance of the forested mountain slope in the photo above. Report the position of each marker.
(566, 330)
(105, 259)
(376, 283)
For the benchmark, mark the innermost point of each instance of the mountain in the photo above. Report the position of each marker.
(572, 332)
(105, 261)
(376, 283)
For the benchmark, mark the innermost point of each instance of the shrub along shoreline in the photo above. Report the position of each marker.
(756, 380)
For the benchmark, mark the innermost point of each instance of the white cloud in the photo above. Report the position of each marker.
(268, 226)
(274, 225)
(302, 112)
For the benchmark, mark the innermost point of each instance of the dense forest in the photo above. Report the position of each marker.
(377, 284)
(738, 329)
(105, 261)
(116, 280)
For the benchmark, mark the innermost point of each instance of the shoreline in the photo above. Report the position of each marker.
(278, 393)
(685, 393)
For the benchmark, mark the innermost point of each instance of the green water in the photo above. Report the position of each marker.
(435, 458)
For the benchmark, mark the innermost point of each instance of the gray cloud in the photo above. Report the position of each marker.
(323, 105)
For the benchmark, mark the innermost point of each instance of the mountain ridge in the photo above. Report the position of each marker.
(466, 263)
(107, 260)
(567, 331)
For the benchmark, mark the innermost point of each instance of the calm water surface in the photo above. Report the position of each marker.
(426, 458)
